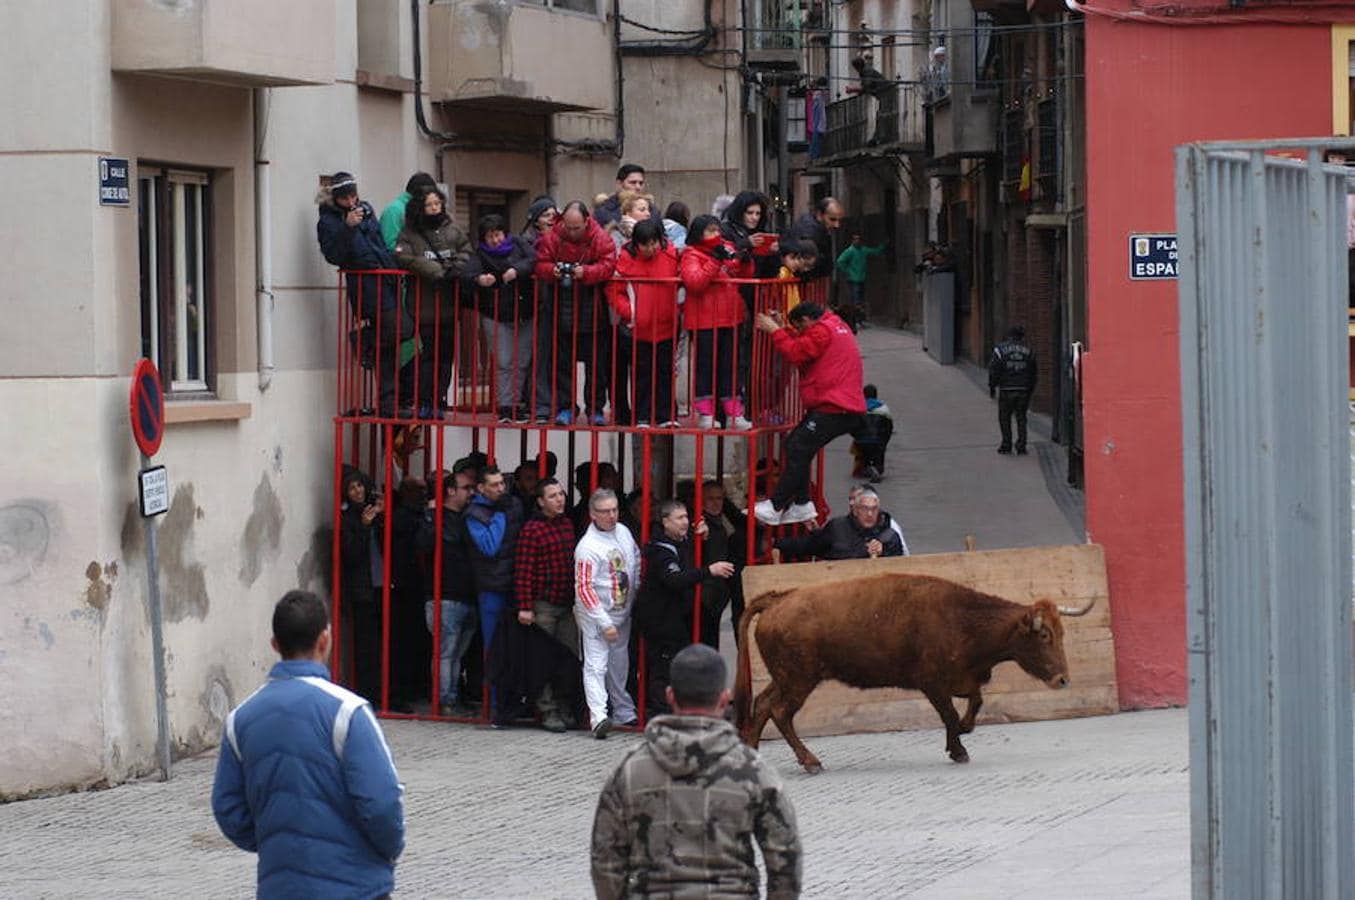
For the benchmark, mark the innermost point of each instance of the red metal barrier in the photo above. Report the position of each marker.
(426, 379)
(442, 355)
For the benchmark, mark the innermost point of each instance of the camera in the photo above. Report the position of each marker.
(720, 251)
(565, 272)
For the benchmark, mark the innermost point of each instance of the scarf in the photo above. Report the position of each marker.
(503, 249)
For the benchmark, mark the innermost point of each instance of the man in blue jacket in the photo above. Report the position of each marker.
(350, 237)
(305, 778)
(493, 521)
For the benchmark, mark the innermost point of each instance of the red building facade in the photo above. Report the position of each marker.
(1158, 77)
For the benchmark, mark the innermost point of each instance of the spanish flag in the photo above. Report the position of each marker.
(1023, 188)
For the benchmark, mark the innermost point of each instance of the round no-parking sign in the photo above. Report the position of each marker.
(147, 407)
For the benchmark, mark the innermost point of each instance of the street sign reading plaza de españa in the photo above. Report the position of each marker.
(1152, 257)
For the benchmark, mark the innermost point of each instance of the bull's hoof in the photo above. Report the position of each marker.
(812, 766)
(959, 756)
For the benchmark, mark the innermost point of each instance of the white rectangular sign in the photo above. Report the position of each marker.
(154, 491)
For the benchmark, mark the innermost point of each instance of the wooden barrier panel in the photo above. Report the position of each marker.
(1068, 575)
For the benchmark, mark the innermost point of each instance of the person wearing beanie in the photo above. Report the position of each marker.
(541, 217)
(350, 239)
(393, 216)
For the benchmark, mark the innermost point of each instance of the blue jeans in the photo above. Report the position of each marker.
(457, 630)
(491, 607)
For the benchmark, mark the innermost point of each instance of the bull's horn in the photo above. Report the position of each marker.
(1077, 610)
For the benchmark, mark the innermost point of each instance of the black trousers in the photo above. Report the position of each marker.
(435, 360)
(715, 363)
(1009, 404)
(620, 378)
(364, 622)
(376, 299)
(654, 382)
(658, 658)
(556, 370)
(815, 431)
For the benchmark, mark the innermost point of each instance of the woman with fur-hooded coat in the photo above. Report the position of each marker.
(433, 248)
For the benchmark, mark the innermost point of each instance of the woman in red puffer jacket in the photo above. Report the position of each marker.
(712, 313)
(644, 297)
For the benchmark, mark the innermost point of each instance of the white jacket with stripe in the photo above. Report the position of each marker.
(606, 576)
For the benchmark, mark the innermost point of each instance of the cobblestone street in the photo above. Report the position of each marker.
(1081, 808)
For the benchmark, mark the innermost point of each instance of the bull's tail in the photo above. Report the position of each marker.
(743, 678)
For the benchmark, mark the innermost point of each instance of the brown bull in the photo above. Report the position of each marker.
(904, 631)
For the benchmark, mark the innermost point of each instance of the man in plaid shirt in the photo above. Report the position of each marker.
(543, 580)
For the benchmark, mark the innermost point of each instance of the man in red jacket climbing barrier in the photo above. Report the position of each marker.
(824, 349)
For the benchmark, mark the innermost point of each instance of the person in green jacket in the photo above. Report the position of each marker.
(851, 262)
(393, 216)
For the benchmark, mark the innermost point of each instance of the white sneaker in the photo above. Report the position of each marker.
(799, 512)
(766, 513)
(739, 423)
(706, 423)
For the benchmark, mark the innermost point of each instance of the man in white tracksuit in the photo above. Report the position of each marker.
(606, 577)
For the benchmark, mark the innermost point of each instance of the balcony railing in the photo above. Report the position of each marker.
(776, 29)
(897, 122)
(544, 355)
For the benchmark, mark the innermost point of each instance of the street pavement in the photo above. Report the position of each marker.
(1088, 808)
(1085, 808)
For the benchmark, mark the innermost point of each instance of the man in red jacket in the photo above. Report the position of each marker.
(574, 260)
(824, 349)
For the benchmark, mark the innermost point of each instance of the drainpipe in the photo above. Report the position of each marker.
(263, 241)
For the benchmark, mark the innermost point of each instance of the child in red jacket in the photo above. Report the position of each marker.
(713, 312)
(649, 307)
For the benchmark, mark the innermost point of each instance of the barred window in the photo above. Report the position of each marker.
(173, 220)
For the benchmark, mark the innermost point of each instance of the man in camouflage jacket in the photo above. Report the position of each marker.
(679, 815)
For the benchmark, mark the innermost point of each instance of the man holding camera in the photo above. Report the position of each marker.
(350, 237)
(574, 260)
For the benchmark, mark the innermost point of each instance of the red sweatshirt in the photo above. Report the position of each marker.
(831, 373)
(651, 306)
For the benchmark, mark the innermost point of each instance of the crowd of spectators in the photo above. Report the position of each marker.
(624, 290)
(553, 597)
(500, 559)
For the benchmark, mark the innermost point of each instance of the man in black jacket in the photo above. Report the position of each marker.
(458, 605)
(817, 226)
(864, 533)
(726, 539)
(663, 609)
(1011, 377)
(349, 233)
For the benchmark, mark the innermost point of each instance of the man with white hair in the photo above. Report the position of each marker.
(606, 576)
(864, 533)
(856, 491)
